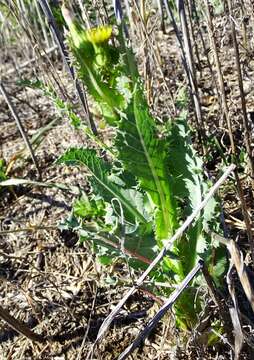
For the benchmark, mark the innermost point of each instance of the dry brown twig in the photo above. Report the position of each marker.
(191, 69)
(223, 312)
(246, 126)
(187, 61)
(165, 307)
(20, 327)
(234, 314)
(190, 13)
(238, 261)
(155, 54)
(226, 114)
(63, 50)
(20, 127)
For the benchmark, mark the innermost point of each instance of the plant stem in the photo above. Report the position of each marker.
(191, 70)
(20, 327)
(186, 66)
(53, 26)
(21, 128)
(165, 307)
(229, 125)
(221, 307)
(238, 261)
(246, 126)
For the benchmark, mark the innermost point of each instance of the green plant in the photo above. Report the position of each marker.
(218, 6)
(3, 175)
(3, 170)
(149, 182)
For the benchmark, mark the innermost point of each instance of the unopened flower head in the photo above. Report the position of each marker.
(99, 35)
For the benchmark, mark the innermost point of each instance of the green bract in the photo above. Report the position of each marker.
(152, 184)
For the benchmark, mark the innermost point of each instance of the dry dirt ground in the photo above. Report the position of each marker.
(48, 279)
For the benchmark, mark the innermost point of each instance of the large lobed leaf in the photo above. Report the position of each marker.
(100, 180)
(188, 187)
(145, 155)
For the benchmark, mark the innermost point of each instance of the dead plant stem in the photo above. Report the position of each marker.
(224, 315)
(20, 127)
(191, 70)
(20, 327)
(192, 36)
(238, 261)
(164, 308)
(59, 40)
(205, 49)
(246, 126)
(229, 125)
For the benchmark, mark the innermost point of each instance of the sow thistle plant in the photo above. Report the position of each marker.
(149, 182)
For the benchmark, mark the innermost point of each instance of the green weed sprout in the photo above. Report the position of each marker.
(141, 196)
(3, 175)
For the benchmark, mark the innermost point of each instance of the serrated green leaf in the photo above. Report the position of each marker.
(105, 260)
(144, 155)
(88, 208)
(188, 187)
(100, 179)
(139, 246)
